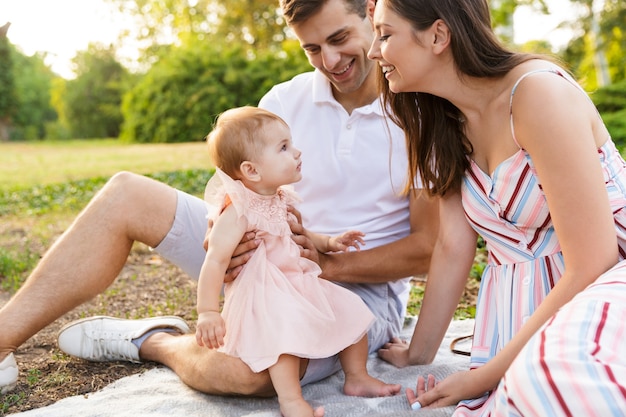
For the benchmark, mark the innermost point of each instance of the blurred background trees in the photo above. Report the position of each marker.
(196, 58)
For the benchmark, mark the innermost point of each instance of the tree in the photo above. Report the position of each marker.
(24, 93)
(596, 51)
(33, 79)
(611, 103)
(179, 98)
(93, 98)
(7, 87)
(613, 31)
(502, 12)
(257, 24)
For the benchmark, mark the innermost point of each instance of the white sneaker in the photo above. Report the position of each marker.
(102, 338)
(8, 374)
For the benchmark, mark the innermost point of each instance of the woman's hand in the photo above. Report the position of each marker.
(458, 386)
(396, 352)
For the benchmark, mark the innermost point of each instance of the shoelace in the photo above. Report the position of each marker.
(103, 345)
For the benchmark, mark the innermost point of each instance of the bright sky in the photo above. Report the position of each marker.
(62, 27)
(58, 27)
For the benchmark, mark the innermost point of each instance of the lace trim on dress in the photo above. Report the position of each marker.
(265, 212)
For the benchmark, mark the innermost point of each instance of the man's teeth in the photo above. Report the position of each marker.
(343, 70)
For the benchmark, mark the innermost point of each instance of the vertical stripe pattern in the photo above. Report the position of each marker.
(509, 210)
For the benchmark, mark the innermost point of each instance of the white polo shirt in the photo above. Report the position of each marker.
(354, 168)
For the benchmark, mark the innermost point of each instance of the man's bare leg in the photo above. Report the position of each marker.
(204, 369)
(87, 258)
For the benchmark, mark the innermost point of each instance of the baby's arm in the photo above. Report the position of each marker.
(342, 242)
(225, 235)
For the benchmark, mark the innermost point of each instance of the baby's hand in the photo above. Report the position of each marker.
(210, 330)
(343, 241)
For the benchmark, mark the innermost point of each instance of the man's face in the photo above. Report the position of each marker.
(336, 43)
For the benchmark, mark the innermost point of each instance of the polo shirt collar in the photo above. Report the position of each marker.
(323, 93)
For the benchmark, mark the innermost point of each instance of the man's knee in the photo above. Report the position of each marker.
(228, 382)
(125, 182)
(206, 370)
(258, 384)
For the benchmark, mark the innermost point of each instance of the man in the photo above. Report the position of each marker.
(354, 168)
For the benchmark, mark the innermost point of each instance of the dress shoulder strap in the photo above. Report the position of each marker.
(556, 71)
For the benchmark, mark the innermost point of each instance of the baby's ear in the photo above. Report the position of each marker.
(249, 171)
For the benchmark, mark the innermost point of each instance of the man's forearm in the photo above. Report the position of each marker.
(400, 259)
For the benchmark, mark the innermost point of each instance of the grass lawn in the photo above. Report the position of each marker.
(40, 163)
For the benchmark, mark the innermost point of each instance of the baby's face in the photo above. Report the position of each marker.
(279, 161)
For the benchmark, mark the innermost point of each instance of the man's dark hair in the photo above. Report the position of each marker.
(296, 11)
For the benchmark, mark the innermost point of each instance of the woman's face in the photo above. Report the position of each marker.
(401, 52)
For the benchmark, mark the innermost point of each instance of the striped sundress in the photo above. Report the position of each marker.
(509, 210)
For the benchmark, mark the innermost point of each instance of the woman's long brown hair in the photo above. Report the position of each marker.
(434, 128)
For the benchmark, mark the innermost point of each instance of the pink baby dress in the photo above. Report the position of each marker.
(278, 305)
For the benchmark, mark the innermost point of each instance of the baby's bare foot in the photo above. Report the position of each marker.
(368, 386)
(299, 408)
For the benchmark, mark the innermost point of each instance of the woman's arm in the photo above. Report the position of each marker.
(452, 259)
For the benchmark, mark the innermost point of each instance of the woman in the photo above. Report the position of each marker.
(518, 154)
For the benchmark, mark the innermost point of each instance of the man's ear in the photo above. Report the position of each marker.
(440, 36)
(249, 171)
(371, 5)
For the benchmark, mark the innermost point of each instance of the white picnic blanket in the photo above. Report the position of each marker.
(160, 393)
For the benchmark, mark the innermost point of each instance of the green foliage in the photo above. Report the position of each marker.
(588, 46)
(255, 22)
(7, 86)
(611, 103)
(14, 267)
(613, 30)
(179, 98)
(74, 195)
(92, 100)
(9, 400)
(32, 88)
(163, 22)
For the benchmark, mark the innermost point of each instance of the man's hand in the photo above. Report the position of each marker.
(307, 248)
(242, 254)
(396, 352)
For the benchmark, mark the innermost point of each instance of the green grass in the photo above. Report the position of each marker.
(14, 265)
(32, 164)
(44, 185)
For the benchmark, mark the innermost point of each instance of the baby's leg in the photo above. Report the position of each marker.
(285, 375)
(358, 382)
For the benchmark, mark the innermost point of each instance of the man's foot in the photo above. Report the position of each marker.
(8, 374)
(102, 338)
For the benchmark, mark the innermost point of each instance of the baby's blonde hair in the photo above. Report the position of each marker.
(237, 136)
